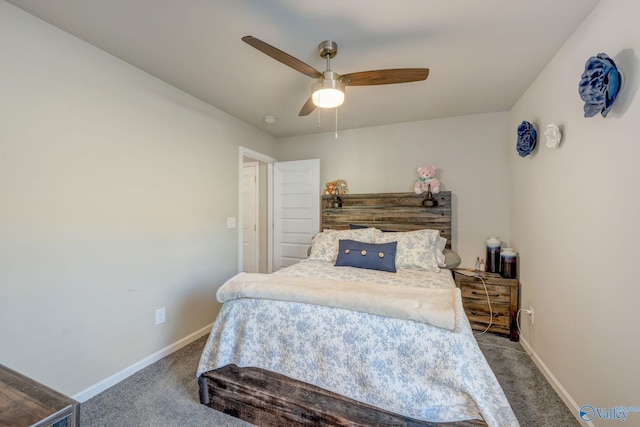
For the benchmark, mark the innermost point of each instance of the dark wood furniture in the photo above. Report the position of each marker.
(269, 399)
(503, 295)
(25, 402)
(389, 211)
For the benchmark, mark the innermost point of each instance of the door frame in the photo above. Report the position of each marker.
(256, 213)
(247, 152)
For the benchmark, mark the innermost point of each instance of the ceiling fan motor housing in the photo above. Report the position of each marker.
(328, 48)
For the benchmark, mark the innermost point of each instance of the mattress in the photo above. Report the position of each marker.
(403, 366)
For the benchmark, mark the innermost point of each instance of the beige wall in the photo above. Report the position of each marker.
(114, 189)
(574, 219)
(470, 152)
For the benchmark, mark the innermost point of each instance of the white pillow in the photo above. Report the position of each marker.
(440, 247)
(324, 246)
(416, 249)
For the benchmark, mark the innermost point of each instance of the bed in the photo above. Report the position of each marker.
(320, 344)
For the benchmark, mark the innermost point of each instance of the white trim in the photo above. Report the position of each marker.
(257, 156)
(270, 218)
(114, 379)
(559, 389)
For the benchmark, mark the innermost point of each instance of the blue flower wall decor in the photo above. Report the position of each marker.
(527, 137)
(599, 85)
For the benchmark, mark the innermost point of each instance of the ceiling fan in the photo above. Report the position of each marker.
(328, 88)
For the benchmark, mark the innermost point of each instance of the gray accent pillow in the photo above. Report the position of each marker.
(451, 259)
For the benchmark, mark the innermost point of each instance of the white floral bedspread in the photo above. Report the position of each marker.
(406, 367)
(404, 276)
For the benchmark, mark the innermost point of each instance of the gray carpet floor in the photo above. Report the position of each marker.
(166, 392)
(532, 398)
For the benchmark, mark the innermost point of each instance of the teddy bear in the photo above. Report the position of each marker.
(341, 187)
(330, 188)
(338, 187)
(426, 178)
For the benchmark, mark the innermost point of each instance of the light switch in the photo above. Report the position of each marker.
(231, 222)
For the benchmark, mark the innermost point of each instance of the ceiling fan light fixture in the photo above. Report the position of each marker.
(327, 93)
(328, 89)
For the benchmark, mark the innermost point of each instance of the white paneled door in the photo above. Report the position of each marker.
(250, 217)
(296, 210)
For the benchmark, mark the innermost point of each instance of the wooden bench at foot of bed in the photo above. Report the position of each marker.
(268, 399)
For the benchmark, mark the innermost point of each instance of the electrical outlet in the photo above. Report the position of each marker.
(160, 316)
(530, 312)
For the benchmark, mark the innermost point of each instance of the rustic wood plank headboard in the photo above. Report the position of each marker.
(389, 211)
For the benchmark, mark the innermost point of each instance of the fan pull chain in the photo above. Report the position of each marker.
(318, 110)
(336, 137)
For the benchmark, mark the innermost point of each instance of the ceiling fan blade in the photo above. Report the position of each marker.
(283, 57)
(307, 108)
(385, 77)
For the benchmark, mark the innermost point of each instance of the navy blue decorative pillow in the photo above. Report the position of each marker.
(356, 226)
(373, 256)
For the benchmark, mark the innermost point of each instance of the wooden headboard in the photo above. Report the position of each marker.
(389, 211)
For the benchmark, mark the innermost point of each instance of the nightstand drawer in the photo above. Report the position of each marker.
(478, 312)
(497, 294)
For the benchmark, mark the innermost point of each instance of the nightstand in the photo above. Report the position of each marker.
(503, 295)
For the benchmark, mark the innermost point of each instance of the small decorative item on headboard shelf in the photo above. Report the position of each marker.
(427, 180)
(429, 201)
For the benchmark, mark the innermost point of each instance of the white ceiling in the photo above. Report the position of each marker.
(482, 54)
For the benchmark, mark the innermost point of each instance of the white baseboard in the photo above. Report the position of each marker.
(114, 379)
(562, 392)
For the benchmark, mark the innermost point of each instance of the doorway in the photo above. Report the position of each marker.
(254, 244)
(287, 209)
